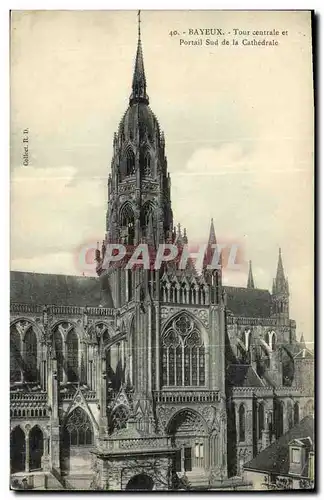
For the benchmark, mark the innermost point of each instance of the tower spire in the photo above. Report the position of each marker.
(281, 284)
(212, 234)
(250, 283)
(139, 80)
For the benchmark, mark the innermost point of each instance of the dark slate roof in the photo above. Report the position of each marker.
(243, 376)
(54, 289)
(275, 458)
(248, 302)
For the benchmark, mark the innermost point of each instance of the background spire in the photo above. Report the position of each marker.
(280, 281)
(250, 283)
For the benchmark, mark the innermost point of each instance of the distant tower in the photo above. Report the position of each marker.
(250, 282)
(280, 294)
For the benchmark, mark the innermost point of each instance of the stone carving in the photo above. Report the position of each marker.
(164, 414)
(166, 312)
(208, 412)
(22, 327)
(64, 329)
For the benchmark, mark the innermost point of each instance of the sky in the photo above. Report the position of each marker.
(238, 123)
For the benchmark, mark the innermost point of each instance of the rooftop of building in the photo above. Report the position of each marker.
(275, 458)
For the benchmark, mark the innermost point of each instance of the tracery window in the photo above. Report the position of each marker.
(72, 345)
(78, 428)
(241, 423)
(183, 354)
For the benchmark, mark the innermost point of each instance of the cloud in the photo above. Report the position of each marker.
(52, 211)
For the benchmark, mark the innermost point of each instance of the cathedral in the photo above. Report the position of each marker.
(149, 379)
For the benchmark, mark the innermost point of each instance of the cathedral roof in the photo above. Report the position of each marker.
(54, 289)
(243, 376)
(248, 302)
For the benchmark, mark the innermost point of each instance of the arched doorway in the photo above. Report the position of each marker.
(17, 450)
(140, 482)
(36, 448)
(189, 434)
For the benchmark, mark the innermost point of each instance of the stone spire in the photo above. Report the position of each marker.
(212, 234)
(281, 284)
(139, 80)
(250, 283)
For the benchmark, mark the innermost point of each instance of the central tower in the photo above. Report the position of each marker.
(139, 205)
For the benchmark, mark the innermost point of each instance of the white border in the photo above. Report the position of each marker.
(4, 183)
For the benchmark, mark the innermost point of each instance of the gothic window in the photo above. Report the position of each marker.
(15, 371)
(147, 217)
(72, 356)
(30, 351)
(59, 354)
(183, 354)
(127, 224)
(296, 413)
(290, 415)
(78, 428)
(241, 423)
(130, 162)
(261, 419)
(147, 170)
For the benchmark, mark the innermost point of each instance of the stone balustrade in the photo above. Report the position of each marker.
(186, 396)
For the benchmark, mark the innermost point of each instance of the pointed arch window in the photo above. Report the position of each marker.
(59, 354)
(30, 355)
(296, 413)
(147, 216)
(72, 344)
(147, 169)
(15, 356)
(130, 162)
(241, 423)
(183, 354)
(261, 419)
(127, 224)
(78, 428)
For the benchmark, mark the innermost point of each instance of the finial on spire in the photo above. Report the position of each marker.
(139, 24)
(250, 283)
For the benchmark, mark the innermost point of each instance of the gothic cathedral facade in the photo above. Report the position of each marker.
(149, 379)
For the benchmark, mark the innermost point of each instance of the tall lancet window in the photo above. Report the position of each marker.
(147, 170)
(241, 423)
(59, 354)
(30, 351)
(127, 224)
(72, 345)
(183, 353)
(130, 162)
